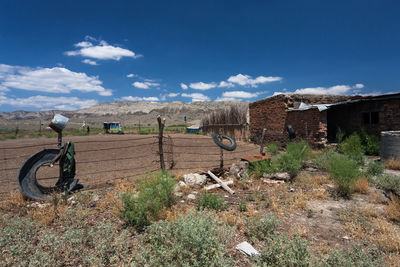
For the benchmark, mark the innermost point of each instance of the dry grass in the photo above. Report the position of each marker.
(13, 202)
(361, 186)
(375, 197)
(375, 229)
(392, 210)
(392, 164)
(112, 199)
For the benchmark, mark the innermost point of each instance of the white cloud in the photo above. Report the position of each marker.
(239, 94)
(137, 98)
(131, 75)
(50, 80)
(145, 85)
(100, 51)
(90, 62)
(184, 86)
(47, 102)
(202, 86)
(197, 97)
(172, 94)
(225, 84)
(245, 80)
(333, 90)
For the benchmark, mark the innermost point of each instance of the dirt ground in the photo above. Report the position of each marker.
(104, 158)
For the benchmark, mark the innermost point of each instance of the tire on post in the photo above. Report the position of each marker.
(216, 138)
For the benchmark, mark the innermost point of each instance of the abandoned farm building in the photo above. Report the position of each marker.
(318, 118)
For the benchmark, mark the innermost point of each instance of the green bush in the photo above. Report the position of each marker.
(344, 172)
(374, 168)
(283, 251)
(258, 168)
(197, 239)
(210, 201)
(353, 148)
(242, 206)
(323, 159)
(261, 228)
(389, 182)
(292, 160)
(272, 148)
(153, 196)
(356, 256)
(370, 143)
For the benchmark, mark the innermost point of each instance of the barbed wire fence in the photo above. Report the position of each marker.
(102, 161)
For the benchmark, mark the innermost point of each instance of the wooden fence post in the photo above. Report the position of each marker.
(161, 125)
(221, 159)
(262, 142)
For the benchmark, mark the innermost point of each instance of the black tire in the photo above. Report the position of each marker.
(27, 182)
(290, 130)
(231, 147)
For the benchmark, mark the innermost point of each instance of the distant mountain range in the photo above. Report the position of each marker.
(128, 113)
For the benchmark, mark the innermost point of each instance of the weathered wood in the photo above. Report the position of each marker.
(209, 187)
(221, 151)
(224, 186)
(160, 141)
(262, 142)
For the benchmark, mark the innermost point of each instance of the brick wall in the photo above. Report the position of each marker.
(309, 125)
(271, 113)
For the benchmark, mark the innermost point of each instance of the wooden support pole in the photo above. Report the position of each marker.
(262, 142)
(224, 186)
(161, 125)
(209, 187)
(221, 151)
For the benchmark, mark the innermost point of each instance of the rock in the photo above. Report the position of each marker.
(95, 198)
(277, 176)
(178, 194)
(330, 186)
(195, 179)
(38, 205)
(247, 249)
(346, 237)
(182, 183)
(291, 189)
(73, 202)
(311, 169)
(191, 196)
(244, 165)
(268, 181)
(92, 204)
(234, 170)
(71, 198)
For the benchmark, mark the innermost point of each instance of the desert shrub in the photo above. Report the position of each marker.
(344, 172)
(272, 148)
(323, 158)
(392, 164)
(361, 185)
(154, 195)
(292, 160)
(284, 251)
(357, 256)
(242, 206)
(261, 228)
(370, 143)
(210, 201)
(258, 168)
(374, 168)
(197, 239)
(24, 243)
(389, 182)
(392, 210)
(353, 148)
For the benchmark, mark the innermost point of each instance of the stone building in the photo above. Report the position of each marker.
(317, 118)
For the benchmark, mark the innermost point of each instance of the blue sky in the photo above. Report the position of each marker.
(73, 54)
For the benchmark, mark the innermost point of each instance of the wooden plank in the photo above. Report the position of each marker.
(209, 187)
(224, 186)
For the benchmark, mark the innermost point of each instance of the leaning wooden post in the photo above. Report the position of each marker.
(160, 141)
(262, 142)
(221, 158)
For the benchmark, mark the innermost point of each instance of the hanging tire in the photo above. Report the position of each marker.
(290, 130)
(231, 147)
